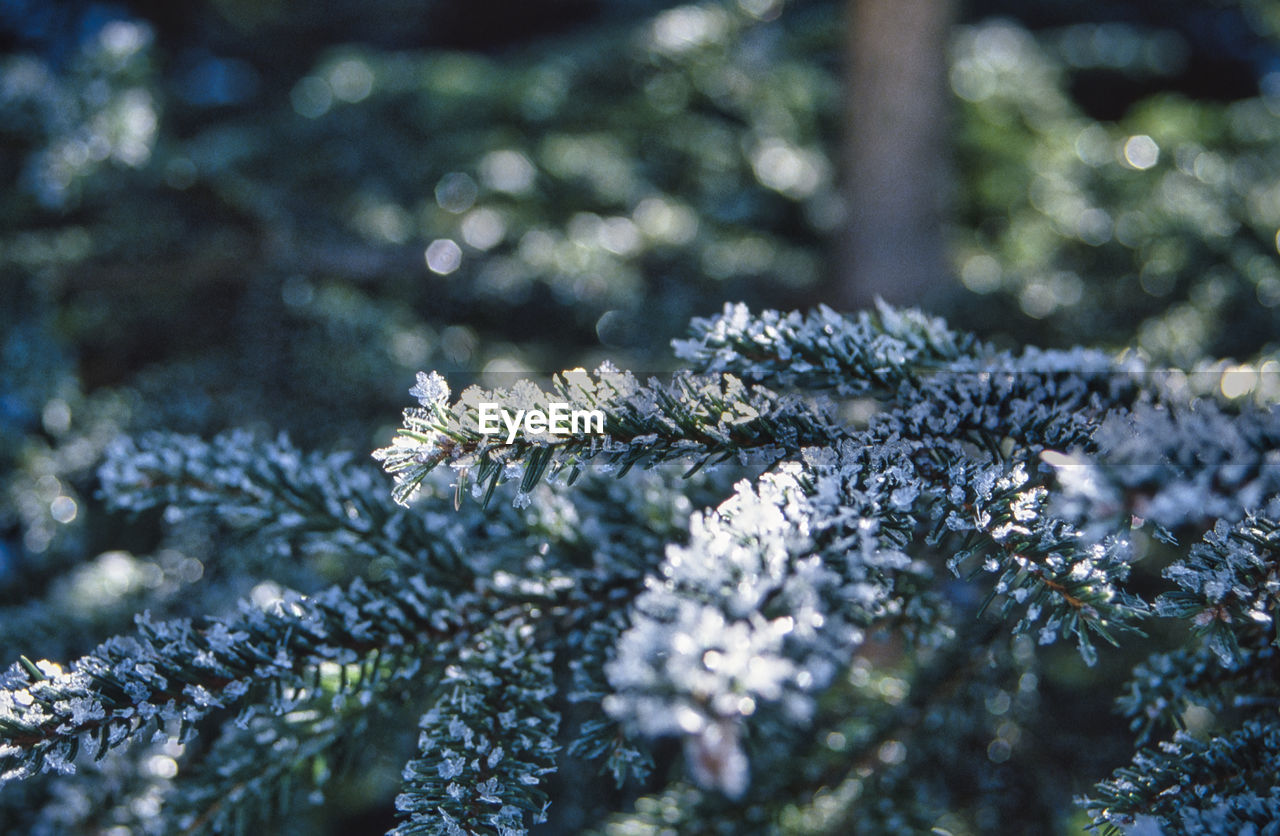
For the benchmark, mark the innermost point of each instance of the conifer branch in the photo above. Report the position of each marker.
(701, 420)
(1164, 686)
(486, 745)
(866, 354)
(1223, 785)
(171, 674)
(285, 499)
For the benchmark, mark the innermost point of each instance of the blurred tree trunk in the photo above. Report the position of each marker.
(895, 163)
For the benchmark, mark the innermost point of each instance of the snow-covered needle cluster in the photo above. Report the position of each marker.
(859, 501)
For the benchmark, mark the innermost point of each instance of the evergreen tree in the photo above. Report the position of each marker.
(847, 639)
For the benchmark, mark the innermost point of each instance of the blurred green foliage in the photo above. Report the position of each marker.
(1159, 229)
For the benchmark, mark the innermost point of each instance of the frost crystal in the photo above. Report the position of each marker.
(431, 389)
(451, 765)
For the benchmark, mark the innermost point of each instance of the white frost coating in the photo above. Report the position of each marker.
(763, 605)
(700, 654)
(716, 759)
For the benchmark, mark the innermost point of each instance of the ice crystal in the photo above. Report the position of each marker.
(431, 389)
